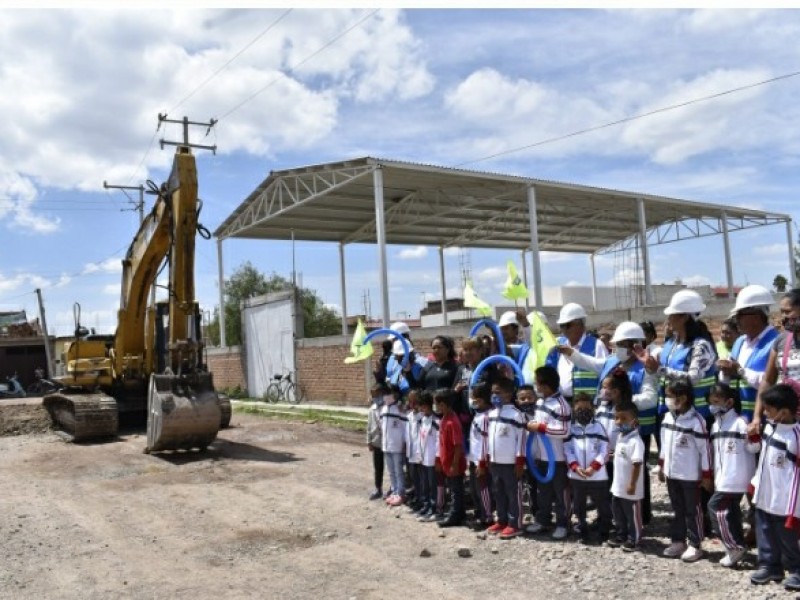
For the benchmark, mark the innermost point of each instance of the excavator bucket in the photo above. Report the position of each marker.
(183, 412)
(83, 416)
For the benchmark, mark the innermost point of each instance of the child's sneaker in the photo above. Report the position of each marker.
(615, 542)
(510, 532)
(496, 528)
(732, 557)
(389, 499)
(535, 527)
(763, 575)
(674, 550)
(397, 501)
(630, 546)
(376, 495)
(423, 516)
(560, 533)
(792, 582)
(692, 554)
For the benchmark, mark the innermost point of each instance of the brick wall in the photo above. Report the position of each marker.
(226, 366)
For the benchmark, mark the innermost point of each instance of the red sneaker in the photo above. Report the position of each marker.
(510, 532)
(496, 528)
(398, 501)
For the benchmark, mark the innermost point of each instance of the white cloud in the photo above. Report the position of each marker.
(696, 280)
(112, 289)
(334, 307)
(492, 274)
(552, 257)
(454, 251)
(110, 265)
(413, 253)
(711, 21)
(772, 251)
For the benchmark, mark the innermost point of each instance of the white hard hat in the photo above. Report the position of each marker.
(400, 327)
(752, 296)
(399, 348)
(628, 330)
(508, 318)
(571, 312)
(685, 302)
(542, 316)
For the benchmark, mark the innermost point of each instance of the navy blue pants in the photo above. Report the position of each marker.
(777, 546)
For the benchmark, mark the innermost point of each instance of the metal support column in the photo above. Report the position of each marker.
(221, 279)
(594, 282)
(727, 244)
(48, 354)
(648, 288)
(443, 283)
(536, 264)
(380, 230)
(344, 288)
(525, 280)
(792, 265)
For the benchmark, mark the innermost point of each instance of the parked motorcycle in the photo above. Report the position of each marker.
(12, 388)
(42, 386)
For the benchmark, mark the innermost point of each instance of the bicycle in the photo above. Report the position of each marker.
(283, 388)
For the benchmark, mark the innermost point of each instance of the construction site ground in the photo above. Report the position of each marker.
(279, 509)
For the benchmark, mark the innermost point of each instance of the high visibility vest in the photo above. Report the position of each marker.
(582, 381)
(678, 357)
(647, 417)
(757, 361)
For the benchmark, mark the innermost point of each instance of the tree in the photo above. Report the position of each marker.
(779, 283)
(247, 282)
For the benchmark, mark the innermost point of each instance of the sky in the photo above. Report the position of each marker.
(82, 89)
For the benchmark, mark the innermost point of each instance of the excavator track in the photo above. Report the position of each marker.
(81, 416)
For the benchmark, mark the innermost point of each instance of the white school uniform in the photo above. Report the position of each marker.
(587, 446)
(629, 451)
(734, 455)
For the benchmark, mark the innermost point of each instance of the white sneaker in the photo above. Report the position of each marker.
(534, 528)
(732, 558)
(675, 550)
(692, 554)
(560, 533)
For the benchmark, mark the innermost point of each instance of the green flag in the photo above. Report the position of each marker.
(514, 289)
(358, 348)
(471, 300)
(542, 341)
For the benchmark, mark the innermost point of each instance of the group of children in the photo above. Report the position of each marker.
(599, 456)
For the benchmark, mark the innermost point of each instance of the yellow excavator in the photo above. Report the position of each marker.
(154, 361)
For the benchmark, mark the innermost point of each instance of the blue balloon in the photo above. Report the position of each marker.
(393, 333)
(551, 458)
(501, 344)
(497, 358)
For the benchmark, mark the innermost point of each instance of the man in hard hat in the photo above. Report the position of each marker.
(395, 375)
(574, 339)
(510, 329)
(745, 367)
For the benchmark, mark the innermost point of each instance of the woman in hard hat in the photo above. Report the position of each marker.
(783, 364)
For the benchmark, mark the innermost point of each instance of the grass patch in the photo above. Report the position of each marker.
(340, 419)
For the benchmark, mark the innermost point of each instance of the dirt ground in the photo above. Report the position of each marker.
(279, 510)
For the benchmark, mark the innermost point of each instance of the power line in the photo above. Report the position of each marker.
(632, 118)
(234, 57)
(293, 68)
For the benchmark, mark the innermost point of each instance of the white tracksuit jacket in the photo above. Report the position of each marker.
(585, 447)
(685, 451)
(506, 435)
(734, 455)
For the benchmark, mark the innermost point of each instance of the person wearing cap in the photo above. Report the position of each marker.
(689, 353)
(573, 341)
(749, 355)
(396, 374)
(510, 329)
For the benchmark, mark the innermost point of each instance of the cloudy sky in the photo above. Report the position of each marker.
(82, 90)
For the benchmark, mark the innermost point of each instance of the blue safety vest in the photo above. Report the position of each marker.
(396, 377)
(582, 381)
(647, 417)
(678, 358)
(757, 361)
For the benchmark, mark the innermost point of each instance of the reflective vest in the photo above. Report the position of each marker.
(647, 418)
(582, 381)
(678, 357)
(757, 361)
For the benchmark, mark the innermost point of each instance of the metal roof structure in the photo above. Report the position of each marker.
(439, 206)
(382, 201)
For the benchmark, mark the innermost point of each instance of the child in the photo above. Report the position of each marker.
(685, 461)
(374, 438)
(506, 446)
(551, 419)
(586, 451)
(432, 496)
(734, 466)
(526, 403)
(393, 430)
(776, 487)
(615, 389)
(479, 479)
(451, 456)
(413, 454)
(627, 488)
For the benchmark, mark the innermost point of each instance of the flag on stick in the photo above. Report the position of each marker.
(471, 300)
(359, 350)
(542, 341)
(514, 289)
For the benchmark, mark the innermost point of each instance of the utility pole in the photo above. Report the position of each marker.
(186, 122)
(47, 353)
(140, 205)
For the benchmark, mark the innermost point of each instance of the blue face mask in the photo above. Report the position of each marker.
(496, 400)
(626, 428)
(717, 410)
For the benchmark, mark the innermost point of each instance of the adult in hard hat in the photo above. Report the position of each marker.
(510, 329)
(783, 364)
(629, 355)
(574, 339)
(728, 334)
(745, 366)
(689, 353)
(395, 374)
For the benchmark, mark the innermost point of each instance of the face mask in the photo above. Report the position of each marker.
(583, 416)
(602, 396)
(672, 405)
(389, 399)
(626, 428)
(496, 400)
(622, 354)
(717, 410)
(473, 405)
